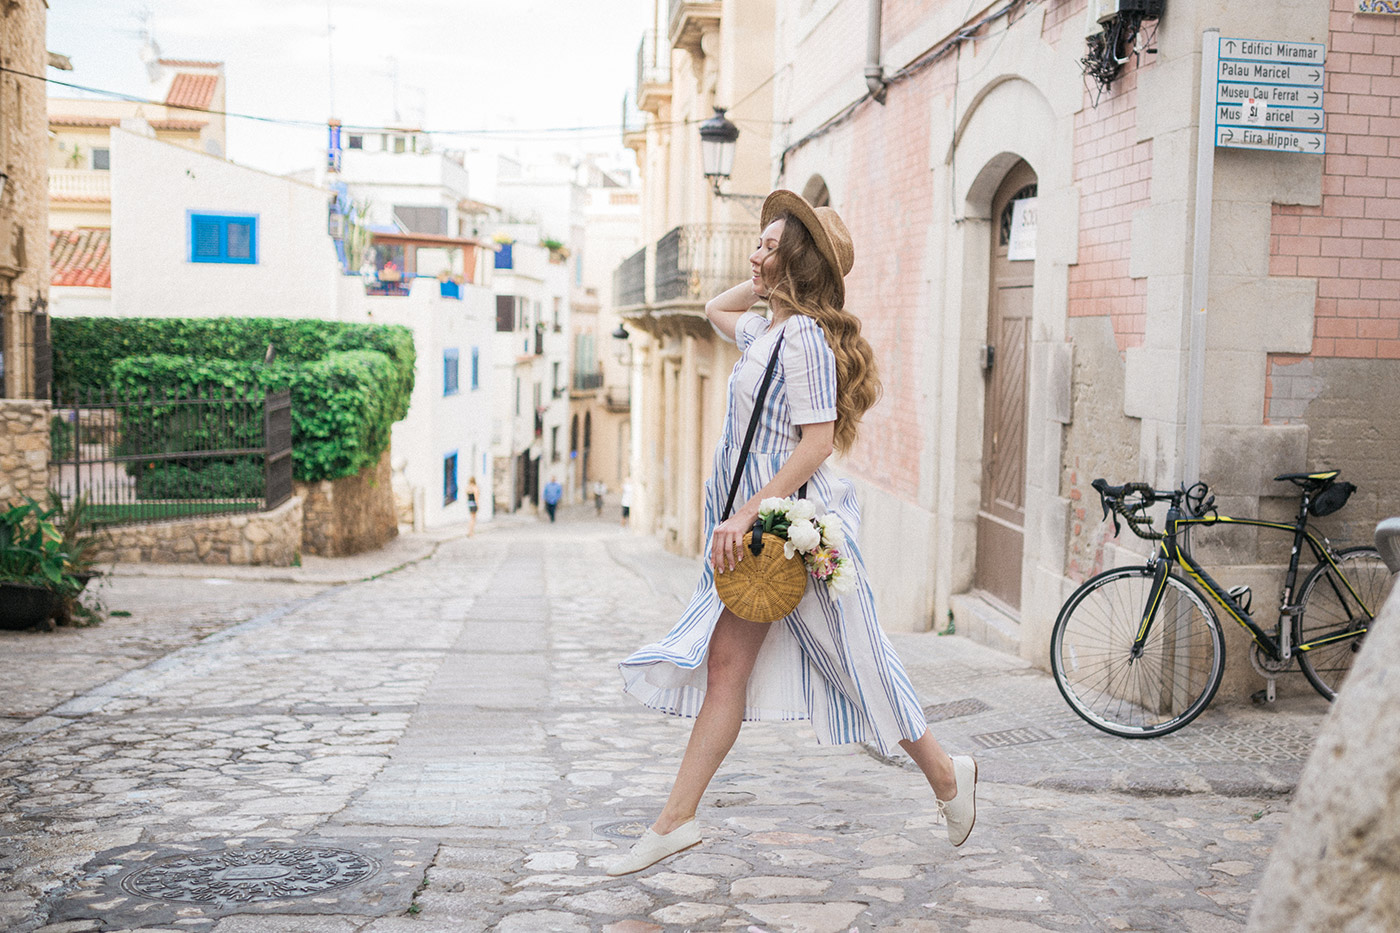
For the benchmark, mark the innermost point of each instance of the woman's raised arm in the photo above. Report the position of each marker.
(724, 309)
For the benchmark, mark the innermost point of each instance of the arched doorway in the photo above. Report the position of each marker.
(1001, 513)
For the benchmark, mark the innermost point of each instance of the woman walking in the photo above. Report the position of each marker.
(828, 661)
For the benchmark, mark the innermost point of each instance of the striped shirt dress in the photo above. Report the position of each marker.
(828, 661)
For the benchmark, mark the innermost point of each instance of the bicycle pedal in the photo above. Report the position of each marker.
(1242, 595)
(1264, 697)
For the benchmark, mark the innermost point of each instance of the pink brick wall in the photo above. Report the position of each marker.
(889, 209)
(1113, 172)
(1351, 244)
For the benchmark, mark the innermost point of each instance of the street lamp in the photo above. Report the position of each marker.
(717, 137)
(621, 348)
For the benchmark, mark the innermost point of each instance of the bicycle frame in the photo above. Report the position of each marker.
(1276, 647)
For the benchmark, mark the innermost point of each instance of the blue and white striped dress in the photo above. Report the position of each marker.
(828, 661)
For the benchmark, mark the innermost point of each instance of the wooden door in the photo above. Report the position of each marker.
(1001, 514)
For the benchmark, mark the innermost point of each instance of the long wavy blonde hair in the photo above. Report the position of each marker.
(802, 282)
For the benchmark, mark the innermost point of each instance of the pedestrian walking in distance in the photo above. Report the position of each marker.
(600, 489)
(828, 661)
(553, 492)
(472, 491)
(626, 501)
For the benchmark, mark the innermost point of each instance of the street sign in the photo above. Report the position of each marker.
(1268, 95)
(1244, 137)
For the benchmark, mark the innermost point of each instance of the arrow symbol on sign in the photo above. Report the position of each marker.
(1314, 144)
(1314, 98)
(1313, 118)
(1316, 74)
(1227, 135)
(1230, 46)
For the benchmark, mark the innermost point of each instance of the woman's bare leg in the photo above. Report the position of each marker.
(934, 762)
(733, 650)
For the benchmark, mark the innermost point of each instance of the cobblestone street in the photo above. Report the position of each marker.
(446, 747)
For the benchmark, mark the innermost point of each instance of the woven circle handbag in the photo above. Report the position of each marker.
(765, 585)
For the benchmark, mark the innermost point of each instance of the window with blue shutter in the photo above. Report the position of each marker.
(449, 371)
(449, 478)
(476, 367)
(226, 238)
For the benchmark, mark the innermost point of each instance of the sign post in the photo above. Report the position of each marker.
(1262, 94)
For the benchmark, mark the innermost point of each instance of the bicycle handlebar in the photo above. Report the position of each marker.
(1119, 500)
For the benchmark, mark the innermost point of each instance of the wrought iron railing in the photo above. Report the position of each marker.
(630, 280)
(588, 380)
(155, 457)
(653, 61)
(695, 262)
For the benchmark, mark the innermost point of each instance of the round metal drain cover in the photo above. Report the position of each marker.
(238, 876)
(623, 829)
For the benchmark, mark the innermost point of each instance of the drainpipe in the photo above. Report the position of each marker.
(874, 73)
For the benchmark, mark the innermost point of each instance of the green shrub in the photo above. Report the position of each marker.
(60, 438)
(239, 478)
(349, 382)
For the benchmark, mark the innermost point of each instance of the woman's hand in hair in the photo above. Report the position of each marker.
(724, 309)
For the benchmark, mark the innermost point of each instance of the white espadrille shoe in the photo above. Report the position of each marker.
(961, 812)
(653, 847)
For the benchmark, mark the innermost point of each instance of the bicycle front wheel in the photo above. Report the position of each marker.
(1167, 685)
(1334, 613)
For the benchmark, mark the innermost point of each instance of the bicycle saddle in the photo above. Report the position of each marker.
(1309, 480)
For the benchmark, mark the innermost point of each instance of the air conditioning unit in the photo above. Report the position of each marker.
(1101, 11)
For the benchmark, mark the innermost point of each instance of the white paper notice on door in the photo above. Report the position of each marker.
(1021, 244)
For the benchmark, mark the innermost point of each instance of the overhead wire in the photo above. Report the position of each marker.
(499, 133)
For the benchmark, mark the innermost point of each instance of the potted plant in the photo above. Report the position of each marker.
(36, 571)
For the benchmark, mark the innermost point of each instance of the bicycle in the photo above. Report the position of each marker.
(1139, 651)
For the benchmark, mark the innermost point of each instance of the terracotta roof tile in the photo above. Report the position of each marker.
(192, 90)
(81, 257)
(186, 125)
(188, 63)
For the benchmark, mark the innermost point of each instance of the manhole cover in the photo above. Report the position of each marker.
(622, 829)
(954, 708)
(1022, 736)
(241, 876)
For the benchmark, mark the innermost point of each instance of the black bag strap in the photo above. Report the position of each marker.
(753, 426)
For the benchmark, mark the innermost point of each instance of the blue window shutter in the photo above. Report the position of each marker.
(205, 239)
(450, 377)
(224, 238)
(476, 368)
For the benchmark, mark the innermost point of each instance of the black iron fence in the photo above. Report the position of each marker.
(695, 262)
(153, 457)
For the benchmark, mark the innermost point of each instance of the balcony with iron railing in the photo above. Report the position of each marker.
(586, 381)
(653, 72)
(695, 262)
(80, 184)
(630, 280)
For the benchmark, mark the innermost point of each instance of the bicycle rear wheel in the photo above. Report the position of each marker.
(1174, 679)
(1327, 607)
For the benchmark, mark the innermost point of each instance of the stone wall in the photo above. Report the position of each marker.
(24, 450)
(349, 515)
(271, 539)
(1335, 864)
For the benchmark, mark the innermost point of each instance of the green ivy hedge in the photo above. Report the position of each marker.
(349, 382)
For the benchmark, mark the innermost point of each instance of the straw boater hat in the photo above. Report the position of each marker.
(824, 224)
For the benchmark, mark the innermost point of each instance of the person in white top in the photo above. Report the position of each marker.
(626, 501)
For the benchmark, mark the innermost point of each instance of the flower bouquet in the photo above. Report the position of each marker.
(820, 541)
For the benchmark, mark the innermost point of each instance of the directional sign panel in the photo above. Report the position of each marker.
(1268, 95)
(1244, 137)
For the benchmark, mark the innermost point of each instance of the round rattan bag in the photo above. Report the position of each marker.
(765, 586)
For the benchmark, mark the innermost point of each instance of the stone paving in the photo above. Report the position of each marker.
(460, 722)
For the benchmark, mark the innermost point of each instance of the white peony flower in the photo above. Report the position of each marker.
(803, 535)
(771, 504)
(802, 510)
(789, 551)
(843, 581)
(832, 534)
